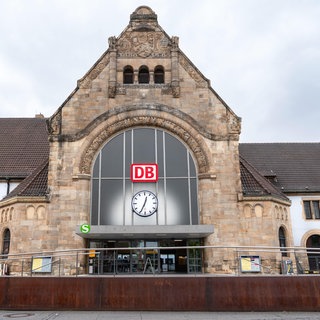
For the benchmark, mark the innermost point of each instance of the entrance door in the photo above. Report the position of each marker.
(168, 260)
(173, 260)
(143, 256)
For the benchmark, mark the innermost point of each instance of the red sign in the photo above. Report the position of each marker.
(144, 172)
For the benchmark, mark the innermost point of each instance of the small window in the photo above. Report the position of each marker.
(144, 76)
(282, 241)
(311, 209)
(128, 75)
(158, 74)
(316, 209)
(6, 243)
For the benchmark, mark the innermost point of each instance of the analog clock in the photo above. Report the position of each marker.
(144, 203)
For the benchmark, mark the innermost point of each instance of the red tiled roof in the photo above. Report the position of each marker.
(24, 146)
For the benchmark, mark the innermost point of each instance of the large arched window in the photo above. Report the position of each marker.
(6, 243)
(144, 76)
(176, 188)
(313, 245)
(128, 75)
(158, 74)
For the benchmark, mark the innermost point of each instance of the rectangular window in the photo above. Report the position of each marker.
(316, 209)
(311, 209)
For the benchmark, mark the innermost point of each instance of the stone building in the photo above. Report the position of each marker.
(146, 154)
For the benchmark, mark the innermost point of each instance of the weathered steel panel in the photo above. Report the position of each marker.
(201, 293)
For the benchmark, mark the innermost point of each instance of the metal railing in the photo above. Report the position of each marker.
(192, 260)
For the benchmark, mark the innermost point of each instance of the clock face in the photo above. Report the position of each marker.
(144, 203)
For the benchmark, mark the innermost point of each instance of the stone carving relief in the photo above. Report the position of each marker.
(144, 44)
(112, 90)
(54, 123)
(193, 73)
(112, 42)
(116, 126)
(85, 82)
(234, 123)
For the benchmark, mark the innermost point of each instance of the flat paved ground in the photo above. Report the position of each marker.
(145, 315)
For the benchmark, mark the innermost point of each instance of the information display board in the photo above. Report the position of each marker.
(42, 264)
(250, 264)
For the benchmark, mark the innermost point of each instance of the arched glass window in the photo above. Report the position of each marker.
(6, 243)
(282, 241)
(144, 76)
(158, 74)
(113, 190)
(314, 254)
(128, 75)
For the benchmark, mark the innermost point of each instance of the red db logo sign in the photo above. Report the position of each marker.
(144, 172)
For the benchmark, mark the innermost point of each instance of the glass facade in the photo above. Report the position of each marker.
(113, 190)
(145, 256)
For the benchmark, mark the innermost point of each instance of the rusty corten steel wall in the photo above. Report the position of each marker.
(281, 293)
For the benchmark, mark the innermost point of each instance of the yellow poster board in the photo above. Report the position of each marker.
(250, 264)
(42, 264)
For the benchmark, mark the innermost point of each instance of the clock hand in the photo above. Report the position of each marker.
(145, 200)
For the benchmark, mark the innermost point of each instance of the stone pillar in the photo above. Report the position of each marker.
(175, 67)
(113, 67)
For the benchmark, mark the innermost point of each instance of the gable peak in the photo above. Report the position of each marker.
(143, 13)
(143, 19)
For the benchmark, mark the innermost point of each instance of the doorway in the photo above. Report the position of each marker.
(143, 256)
(314, 254)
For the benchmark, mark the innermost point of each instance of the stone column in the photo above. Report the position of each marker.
(175, 67)
(113, 67)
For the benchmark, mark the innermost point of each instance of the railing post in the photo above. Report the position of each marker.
(77, 261)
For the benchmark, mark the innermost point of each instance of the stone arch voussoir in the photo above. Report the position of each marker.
(121, 122)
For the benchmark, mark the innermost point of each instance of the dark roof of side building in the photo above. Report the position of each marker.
(255, 185)
(35, 185)
(292, 167)
(24, 146)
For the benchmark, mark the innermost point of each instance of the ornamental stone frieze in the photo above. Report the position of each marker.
(115, 125)
(144, 45)
(93, 73)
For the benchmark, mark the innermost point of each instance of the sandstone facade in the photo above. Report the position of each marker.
(184, 105)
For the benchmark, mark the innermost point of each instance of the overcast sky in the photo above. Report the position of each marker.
(262, 56)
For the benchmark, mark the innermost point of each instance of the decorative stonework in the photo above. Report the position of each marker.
(7, 215)
(112, 90)
(119, 125)
(193, 73)
(143, 44)
(54, 123)
(234, 123)
(86, 81)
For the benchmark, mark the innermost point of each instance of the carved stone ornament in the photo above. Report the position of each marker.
(54, 123)
(112, 90)
(85, 82)
(144, 44)
(112, 42)
(119, 125)
(193, 73)
(234, 123)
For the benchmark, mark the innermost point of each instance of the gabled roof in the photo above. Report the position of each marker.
(35, 185)
(254, 184)
(293, 167)
(23, 146)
